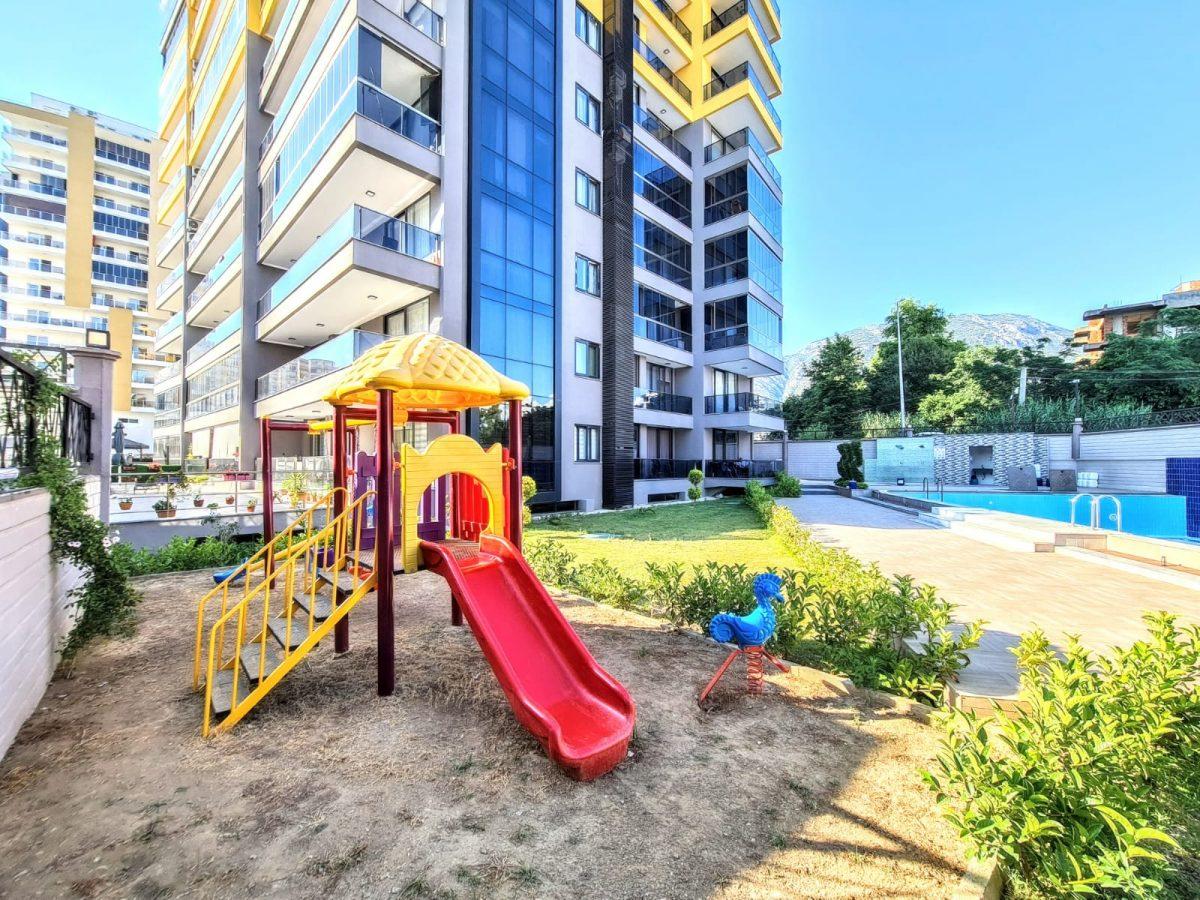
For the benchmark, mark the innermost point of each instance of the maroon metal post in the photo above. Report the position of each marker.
(516, 501)
(384, 552)
(341, 631)
(268, 492)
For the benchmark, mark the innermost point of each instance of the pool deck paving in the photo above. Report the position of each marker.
(1013, 592)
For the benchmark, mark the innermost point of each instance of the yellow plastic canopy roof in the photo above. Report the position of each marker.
(425, 371)
(320, 426)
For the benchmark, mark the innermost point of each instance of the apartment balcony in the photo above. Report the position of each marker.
(169, 337)
(663, 90)
(169, 293)
(222, 339)
(297, 388)
(662, 469)
(30, 294)
(661, 132)
(740, 470)
(34, 143)
(661, 409)
(219, 407)
(738, 34)
(32, 268)
(218, 229)
(168, 378)
(224, 157)
(737, 99)
(169, 251)
(661, 343)
(36, 217)
(219, 293)
(124, 257)
(744, 350)
(364, 265)
(371, 148)
(742, 412)
(133, 190)
(32, 243)
(32, 165)
(664, 30)
(741, 147)
(412, 24)
(23, 187)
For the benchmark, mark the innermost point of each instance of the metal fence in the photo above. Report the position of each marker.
(67, 423)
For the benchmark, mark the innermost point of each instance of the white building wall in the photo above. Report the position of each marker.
(1135, 460)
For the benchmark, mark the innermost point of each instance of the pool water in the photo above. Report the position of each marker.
(1148, 515)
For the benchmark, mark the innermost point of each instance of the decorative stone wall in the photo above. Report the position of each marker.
(952, 455)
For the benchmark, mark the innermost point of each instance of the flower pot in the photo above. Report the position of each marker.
(197, 503)
(250, 507)
(165, 513)
(229, 501)
(125, 506)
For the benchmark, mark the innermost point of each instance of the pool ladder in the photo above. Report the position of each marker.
(1095, 507)
(939, 484)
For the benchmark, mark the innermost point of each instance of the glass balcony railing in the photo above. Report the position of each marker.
(643, 50)
(32, 265)
(214, 402)
(742, 402)
(661, 333)
(742, 336)
(223, 264)
(285, 22)
(169, 283)
(650, 469)
(735, 76)
(425, 20)
(112, 181)
(331, 356)
(736, 141)
(360, 224)
(662, 131)
(107, 302)
(673, 18)
(37, 187)
(231, 324)
(661, 401)
(35, 163)
(210, 157)
(36, 293)
(364, 99)
(171, 325)
(720, 22)
(38, 214)
(123, 280)
(132, 256)
(168, 373)
(742, 468)
(33, 136)
(231, 192)
(33, 240)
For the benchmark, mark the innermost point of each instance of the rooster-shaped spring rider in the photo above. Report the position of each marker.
(749, 632)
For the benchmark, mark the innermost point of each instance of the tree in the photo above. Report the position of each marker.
(837, 393)
(981, 379)
(1163, 372)
(929, 349)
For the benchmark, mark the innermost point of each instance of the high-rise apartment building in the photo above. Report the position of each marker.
(581, 192)
(74, 242)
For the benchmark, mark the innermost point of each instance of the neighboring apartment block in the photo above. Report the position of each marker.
(1130, 318)
(74, 242)
(333, 172)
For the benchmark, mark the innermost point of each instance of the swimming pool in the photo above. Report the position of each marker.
(1148, 515)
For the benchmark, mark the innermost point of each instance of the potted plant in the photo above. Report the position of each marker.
(230, 499)
(165, 508)
(295, 486)
(251, 504)
(197, 500)
(126, 503)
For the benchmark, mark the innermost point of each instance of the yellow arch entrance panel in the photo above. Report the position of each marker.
(451, 453)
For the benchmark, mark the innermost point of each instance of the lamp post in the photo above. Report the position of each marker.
(900, 370)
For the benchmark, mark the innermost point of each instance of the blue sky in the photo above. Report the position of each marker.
(1012, 156)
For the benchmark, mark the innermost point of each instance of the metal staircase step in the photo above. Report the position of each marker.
(222, 691)
(345, 581)
(278, 629)
(322, 609)
(252, 654)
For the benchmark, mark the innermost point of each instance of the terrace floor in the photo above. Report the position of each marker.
(328, 790)
(1013, 592)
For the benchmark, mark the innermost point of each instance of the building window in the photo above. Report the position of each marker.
(587, 109)
(587, 443)
(587, 359)
(587, 275)
(408, 320)
(587, 27)
(661, 252)
(661, 185)
(587, 191)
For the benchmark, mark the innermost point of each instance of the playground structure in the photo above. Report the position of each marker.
(748, 633)
(453, 508)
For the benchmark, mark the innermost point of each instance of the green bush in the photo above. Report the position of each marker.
(182, 555)
(786, 486)
(850, 462)
(839, 615)
(1095, 788)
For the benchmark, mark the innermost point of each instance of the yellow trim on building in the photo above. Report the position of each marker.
(120, 333)
(81, 192)
(196, 145)
(205, 63)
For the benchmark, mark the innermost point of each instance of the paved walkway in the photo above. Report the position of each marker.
(1013, 592)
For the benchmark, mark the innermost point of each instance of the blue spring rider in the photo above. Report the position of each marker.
(749, 633)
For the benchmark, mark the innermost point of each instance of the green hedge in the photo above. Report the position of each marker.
(839, 615)
(182, 555)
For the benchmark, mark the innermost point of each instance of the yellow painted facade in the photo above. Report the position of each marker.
(81, 175)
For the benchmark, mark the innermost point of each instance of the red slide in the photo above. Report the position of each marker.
(577, 711)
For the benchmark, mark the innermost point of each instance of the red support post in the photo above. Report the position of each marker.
(341, 631)
(516, 502)
(384, 551)
(268, 491)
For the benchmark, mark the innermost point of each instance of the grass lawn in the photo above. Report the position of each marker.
(724, 531)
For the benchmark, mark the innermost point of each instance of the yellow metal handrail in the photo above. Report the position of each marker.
(335, 548)
(263, 561)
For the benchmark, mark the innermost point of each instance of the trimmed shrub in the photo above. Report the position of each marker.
(182, 555)
(1095, 788)
(850, 463)
(786, 486)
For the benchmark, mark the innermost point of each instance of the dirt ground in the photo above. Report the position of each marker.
(328, 790)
